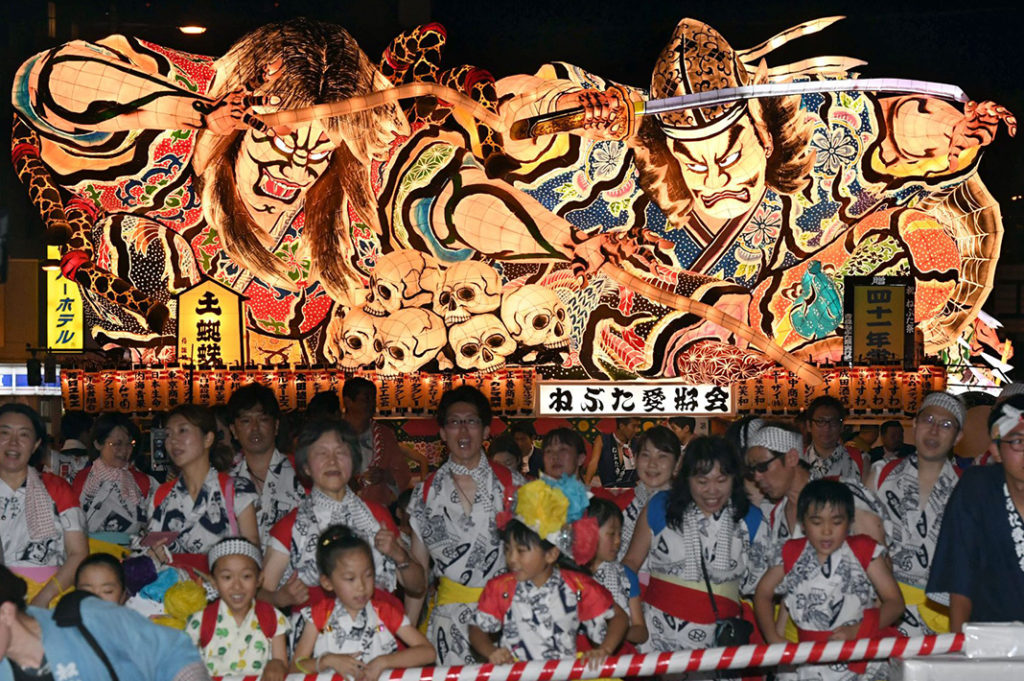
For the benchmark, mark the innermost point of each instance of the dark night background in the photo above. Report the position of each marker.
(974, 44)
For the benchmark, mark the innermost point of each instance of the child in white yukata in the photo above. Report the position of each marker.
(620, 581)
(237, 634)
(829, 582)
(537, 606)
(356, 633)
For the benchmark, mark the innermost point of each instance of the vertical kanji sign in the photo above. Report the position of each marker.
(64, 318)
(879, 320)
(210, 327)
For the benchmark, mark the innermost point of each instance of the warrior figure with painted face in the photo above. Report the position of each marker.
(771, 202)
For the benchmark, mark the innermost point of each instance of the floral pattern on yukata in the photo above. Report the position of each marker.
(913, 531)
(282, 492)
(827, 595)
(363, 636)
(241, 649)
(201, 523)
(315, 514)
(464, 547)
(541, 622)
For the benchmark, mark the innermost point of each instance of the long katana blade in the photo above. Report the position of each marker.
(571, 119)
(735, 94)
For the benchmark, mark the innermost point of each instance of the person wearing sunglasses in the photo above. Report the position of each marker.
(827, 455)
(979, 557)
(773, 462)
(915, 491)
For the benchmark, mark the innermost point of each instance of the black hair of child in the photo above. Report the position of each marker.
(335, 541)
(819, 493)
(103, 559)
(603, 510)
(518, 532)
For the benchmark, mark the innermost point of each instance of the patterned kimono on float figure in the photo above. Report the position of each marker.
(538, 606)
(780, 197)
(913, 522)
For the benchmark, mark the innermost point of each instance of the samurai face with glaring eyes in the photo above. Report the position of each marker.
(274, 172)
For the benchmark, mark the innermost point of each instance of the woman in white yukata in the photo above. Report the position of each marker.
(657, 462)
(202, 505)
(41, 523)
(327, 450)
(702, 525)
(114, 493)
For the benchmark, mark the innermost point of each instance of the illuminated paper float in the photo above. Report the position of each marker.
(414, 237)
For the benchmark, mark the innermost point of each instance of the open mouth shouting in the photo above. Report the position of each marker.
(710, 200)
(276, 188)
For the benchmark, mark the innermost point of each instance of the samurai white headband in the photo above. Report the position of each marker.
(950, 403)
(1009, 417)
(775, 439)
(235, 546)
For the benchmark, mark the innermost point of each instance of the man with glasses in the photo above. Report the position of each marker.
(915, 491)
(773, 462)
(827, 455)
(453, 515)
(979, 558)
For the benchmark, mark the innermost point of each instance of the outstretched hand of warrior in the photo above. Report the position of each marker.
(978, 128)
(235, 110)
(643, 246)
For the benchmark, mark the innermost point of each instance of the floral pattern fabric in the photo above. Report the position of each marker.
(241, 649)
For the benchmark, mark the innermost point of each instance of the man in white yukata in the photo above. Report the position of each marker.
(253, 414)
(915, 490)
(453, 515)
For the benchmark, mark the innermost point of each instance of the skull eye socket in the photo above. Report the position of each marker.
(560, 313)
(354, 342)
(470, 350)
(466, 294)
(378, 346)
(396, 353)
(444, 298)
(384, 292)
(540, 321)
(496, 340)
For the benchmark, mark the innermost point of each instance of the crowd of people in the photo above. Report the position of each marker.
(332, 557)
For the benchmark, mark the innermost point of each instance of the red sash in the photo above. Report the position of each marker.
(868, 629)
(688, 604)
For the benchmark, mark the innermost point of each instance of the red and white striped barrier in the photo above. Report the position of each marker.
(740, 657)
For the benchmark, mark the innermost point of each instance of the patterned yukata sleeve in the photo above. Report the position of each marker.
(490, 611)
(245, 494)
(759, 554)
(595, 608)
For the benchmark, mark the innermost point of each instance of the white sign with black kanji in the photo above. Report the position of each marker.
(633, 399)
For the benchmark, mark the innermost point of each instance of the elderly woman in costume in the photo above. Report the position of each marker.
(113, 493)
(328, 452)
(202, 505)
(778, 197)
(43, 528)
(698, 538)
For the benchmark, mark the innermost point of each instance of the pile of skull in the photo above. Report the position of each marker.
(415, 311)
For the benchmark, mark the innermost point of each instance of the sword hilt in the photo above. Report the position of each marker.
(567, 120)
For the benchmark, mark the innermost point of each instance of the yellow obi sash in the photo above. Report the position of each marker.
(450, 592)
(933, 614)
(37, 577)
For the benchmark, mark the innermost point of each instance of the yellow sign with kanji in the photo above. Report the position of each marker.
(210, 327)
(64, 317)
(880, 329)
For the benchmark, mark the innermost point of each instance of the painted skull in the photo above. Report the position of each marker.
(482, 343)
(405, 278)
(351, 338)
(470, 287)
(407, 339)
(535, 315)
